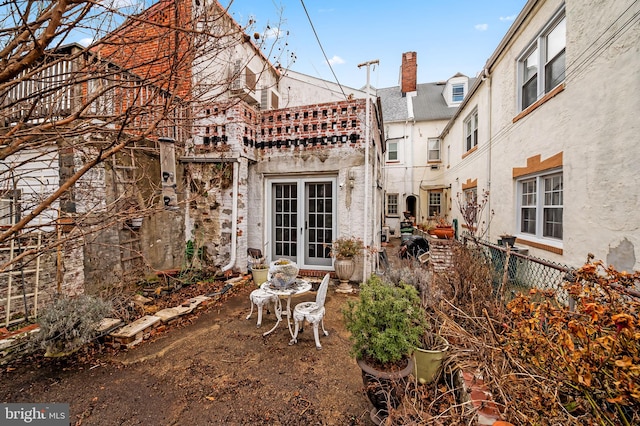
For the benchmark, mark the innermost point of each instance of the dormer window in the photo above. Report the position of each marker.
(457, 92)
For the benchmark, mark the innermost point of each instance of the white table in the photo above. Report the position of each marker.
(299, 287)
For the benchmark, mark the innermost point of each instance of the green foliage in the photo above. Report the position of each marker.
(69, 323)
(386, 323)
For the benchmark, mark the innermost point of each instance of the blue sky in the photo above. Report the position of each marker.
(449, 36)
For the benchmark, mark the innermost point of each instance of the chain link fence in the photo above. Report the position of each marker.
(521, 272)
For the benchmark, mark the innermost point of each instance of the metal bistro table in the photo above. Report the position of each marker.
(298, 287)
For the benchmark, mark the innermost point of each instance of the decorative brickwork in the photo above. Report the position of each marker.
(441, 258)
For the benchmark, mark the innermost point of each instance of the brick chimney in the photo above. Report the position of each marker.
(409, 72)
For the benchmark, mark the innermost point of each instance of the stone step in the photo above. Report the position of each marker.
(132, 334)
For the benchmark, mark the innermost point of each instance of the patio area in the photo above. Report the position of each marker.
(215, 368)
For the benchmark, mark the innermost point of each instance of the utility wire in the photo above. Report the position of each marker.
(322, 49)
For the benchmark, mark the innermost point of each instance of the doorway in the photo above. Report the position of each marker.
(302, 220)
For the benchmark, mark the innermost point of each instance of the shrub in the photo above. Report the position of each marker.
(386, 323)
(592, 349)
(69, 323)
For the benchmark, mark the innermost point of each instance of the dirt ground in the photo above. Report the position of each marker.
(214, 368)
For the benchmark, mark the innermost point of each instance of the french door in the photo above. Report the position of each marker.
(302, 220)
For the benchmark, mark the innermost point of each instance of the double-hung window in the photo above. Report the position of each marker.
(392, 204)
(457, 92)
(540, 206)
(542, 65)
(471, 130)
(435, 203)
(433, 149)
(392, 151)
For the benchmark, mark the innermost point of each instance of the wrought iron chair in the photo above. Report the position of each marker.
(261, 298)
(312, 312)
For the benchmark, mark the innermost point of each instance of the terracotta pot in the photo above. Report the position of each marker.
(66, 223)
(444, 233)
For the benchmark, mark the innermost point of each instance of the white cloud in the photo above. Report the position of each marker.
(119, 4)
(508, 18)
(481, 27)
(336, 60)
(272, 33)
(85, 41)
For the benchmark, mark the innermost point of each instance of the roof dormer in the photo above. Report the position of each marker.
(455, 90)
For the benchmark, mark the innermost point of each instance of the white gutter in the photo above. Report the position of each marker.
(486, 75)
(234, 220)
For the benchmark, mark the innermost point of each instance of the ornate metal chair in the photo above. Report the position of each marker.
(261, 298)
(312, 312)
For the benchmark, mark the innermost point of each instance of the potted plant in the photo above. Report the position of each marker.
(283, 272)
(344, 250)
(429, 356)
(443, 229)
(507, 240)
(386, 324)
(432, 348)
(259, 270)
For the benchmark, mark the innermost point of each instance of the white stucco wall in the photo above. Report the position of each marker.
(593, 122)
(299, 89)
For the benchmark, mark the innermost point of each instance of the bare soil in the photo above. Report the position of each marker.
(215, 367)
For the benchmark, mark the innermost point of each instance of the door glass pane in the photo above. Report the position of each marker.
(284, 220)
(319, 222)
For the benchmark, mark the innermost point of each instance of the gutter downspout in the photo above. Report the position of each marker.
(367, 136)
(234, 220)
(487, 76)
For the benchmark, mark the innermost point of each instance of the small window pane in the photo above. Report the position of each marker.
(556, 40)
(393, 151)
(528, 223)
(531, 65)
(434, 150)
(554, 72)
(457, 92)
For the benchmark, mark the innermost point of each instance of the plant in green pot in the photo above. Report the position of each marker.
(259, 270)
(386, 324)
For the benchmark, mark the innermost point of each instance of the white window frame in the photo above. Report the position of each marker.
(536, 52)
(453, 93)
(433, 150)
(392, 148)
(433, 195)
(10, 212)
(471, 131)
(390, 203)
(534, 195)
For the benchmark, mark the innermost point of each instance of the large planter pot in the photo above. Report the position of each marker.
(259, 275)
(444, 233)
(428, 363)
(344, 270)
(384, 388)
(283, 272)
